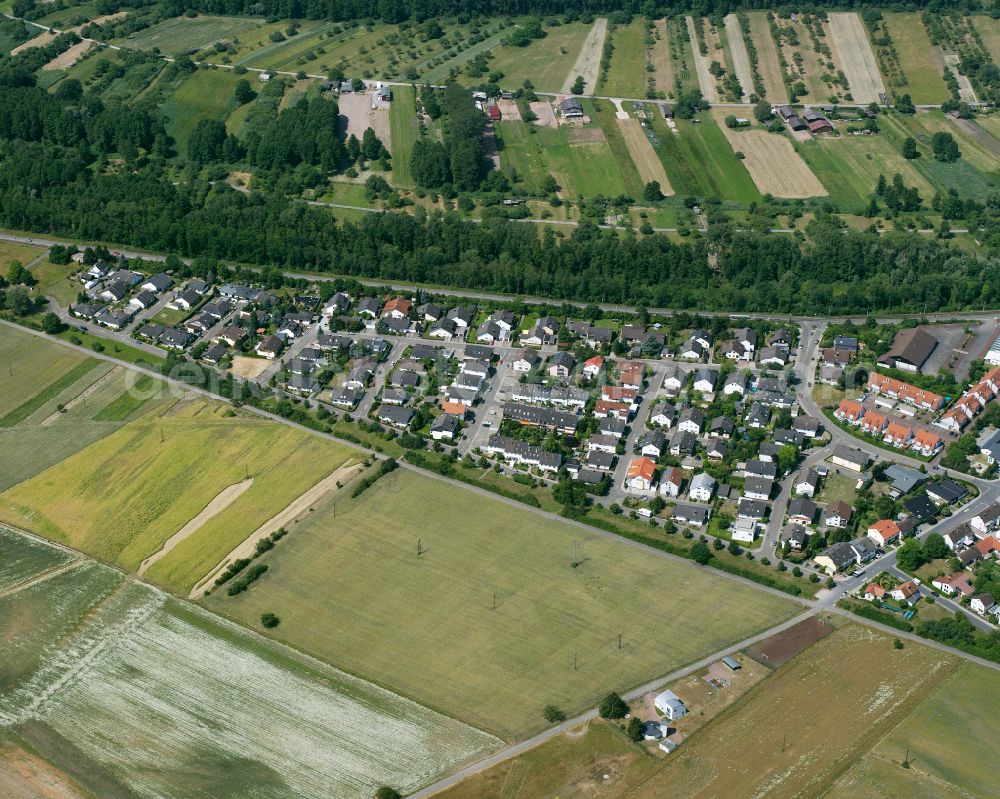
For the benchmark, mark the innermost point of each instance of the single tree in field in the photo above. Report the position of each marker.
(578, 85)
(385, 792)
(652, 192)
(553, 715)
(910, 150)
(635, 729)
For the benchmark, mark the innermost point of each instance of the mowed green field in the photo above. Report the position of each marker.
(581, 161)
(522, 154)
(700, 162)
(132, 693)
(924, 83)
(547, 62)
(122, 497)
(943, 739)
(30, 365)
(627, 74)
(605, 115)
(181, 34)
(206, 94)
(94, 405)
(404, 130)
(55, 280)
(350, 588)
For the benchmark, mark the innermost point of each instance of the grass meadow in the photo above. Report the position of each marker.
(626, 75)
(404, 131)
(11, 251)
(182, 34)
(30, 365)
(123, 496)
(699, 161)
(799, 729)
(206, 94)
(924, 83)
(942, 740)
(350, 588)
(546, 62)
(133, 693)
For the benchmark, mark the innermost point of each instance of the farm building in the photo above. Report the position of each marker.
(795, 123)
(493, 113)
(382, 96)
(571, 108)
(910, 350)
(666, 110)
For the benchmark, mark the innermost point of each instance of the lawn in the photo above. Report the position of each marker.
(546, 62)
(11, 251)
(183, 34)
(701, 163)
(404, 129)
(30, 365)
(799, 729)
(495, 667)
(147, 696)
(942, 741)
(125, 495)
(837, 488)
(924, 83)
(626, 76)
(206, 94)
(55, 280)
(849, 166)
(171, 317)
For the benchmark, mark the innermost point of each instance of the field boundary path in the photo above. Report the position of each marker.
(741, 59)
(297, 507)
(41, 577)
(705, 80)
(226, 497)
(588, 62)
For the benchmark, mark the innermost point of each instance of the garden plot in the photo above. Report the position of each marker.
(850, 41)
(171, 702)
(773, 163)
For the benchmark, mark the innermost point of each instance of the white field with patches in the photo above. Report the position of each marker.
(175, 702)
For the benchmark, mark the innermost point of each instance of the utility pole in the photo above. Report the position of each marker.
(420, 550)
(574, 661)
(619, 641)
(494, 600)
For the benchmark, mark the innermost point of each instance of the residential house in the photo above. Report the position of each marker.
(702, 487)
(920, 508)
(592, 366)
(758, 488)
(682, 444)
(560, 421)
(691, 420)
(987, 520)
(874, 423)
(897, 389)
(983, 604)
(959, 538)
(849, 458)
(694, 515)
(653, 444)
(874, 592)
(115, 291)
(671, 481)
(601, 461)
(884, 532)
(759, 468)
(751, 509)
(802, 510)
(903, 479)
(640, 474)
(796, 535)
(270, 347)
(663, 415)
(850, 411)
(773, 356)
(561, 364)
(744, 530)
(837, 514)
(673, 380)
(525, 360)
(945, 492)
(807, 484)
(670, 705)
(704, 380)
(960, 583)
(158, 283)
(735, 383)
(721, 427)
(519, 452)
(806, 426)
(926, 443)
(897, 435)
(716, 449)
(759, 416)
(444, 427)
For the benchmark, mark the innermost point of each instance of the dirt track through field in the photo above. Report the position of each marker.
(301, 505)
(588, 63)
(705, 80)
(741, 59)
(226, 497)
(856, 57)
(92, 389)
(643, 155)
(773, 164)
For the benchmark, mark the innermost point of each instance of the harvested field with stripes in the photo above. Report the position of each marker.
(773, 164)
(643, 155)
(856, 58)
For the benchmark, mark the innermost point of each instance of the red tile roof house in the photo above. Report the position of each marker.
(874, 423)
(897, 435)
(849, 411)
(926, 443)
(593, 366)
(397, 308)
(640, 474)
(873, 592)
(884, 532)
(897, 389)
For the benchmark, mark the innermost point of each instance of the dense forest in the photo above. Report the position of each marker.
(72, 164)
